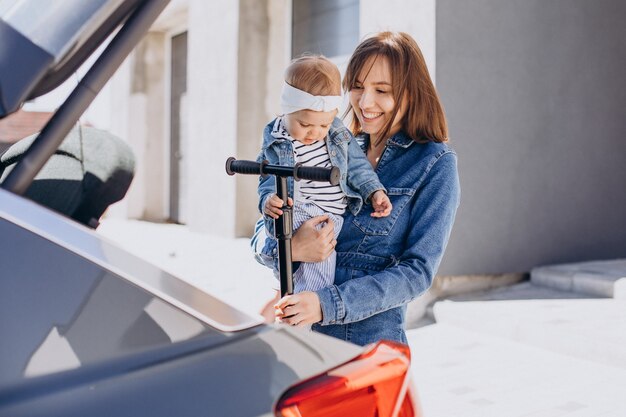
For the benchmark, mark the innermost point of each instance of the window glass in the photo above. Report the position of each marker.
(56, 26)
(59, 311)
(327, 27)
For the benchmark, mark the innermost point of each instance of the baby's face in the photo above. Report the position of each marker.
(308, 126)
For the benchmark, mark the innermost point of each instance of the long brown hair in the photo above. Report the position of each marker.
(424, 120)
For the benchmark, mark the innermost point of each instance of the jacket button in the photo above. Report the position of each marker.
(333, 153)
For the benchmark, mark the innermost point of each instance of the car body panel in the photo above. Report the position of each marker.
(88, 328)
(100, 251)
(242, 378)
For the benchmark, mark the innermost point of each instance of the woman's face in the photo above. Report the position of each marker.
(372, 98)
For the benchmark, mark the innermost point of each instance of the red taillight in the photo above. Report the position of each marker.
(376, 383)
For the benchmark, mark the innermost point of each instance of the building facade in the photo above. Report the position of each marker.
(206, 80)
(534, 92)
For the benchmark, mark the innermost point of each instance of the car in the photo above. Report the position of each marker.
(87, 328)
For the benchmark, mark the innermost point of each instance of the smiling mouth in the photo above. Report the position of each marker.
(367, 116)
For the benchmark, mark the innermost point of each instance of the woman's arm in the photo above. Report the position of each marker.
(431, 223)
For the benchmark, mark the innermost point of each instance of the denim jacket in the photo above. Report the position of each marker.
(358, 182)
(382, 264)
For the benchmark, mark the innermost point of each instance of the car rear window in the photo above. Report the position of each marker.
(59, 311)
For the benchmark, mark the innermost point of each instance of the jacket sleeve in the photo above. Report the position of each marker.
(263, 242)
(361, 175)
(264, 248)
(432, 215)
(266, 187)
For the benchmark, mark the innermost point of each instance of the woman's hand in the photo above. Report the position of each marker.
(314, 240)
(299, 309)
(273, 206)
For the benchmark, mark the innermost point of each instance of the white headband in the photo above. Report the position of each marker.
(293, 100)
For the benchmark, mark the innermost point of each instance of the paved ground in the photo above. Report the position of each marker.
(525, 350)
(463, 373)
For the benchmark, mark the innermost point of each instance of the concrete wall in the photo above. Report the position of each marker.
(251, 114)
(133, 107)
(147, 135)
(237, 52)
(535, 93)
(212, 107)
(415, 17)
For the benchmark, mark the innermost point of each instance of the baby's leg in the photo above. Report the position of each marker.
(313, 276)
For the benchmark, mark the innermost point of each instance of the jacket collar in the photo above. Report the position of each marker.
(268, 138)
(337, 133)
(400, 139)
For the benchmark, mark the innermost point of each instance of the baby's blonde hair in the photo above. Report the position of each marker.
(314, 74)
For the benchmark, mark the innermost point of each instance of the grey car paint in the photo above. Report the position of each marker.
(88, 329)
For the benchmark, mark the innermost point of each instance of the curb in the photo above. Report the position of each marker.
(597, 278)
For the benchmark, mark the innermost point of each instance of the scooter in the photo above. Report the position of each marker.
(283, 225)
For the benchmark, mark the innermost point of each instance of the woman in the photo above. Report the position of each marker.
(383, 263)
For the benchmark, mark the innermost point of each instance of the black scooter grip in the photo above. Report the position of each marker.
(331, 175)
(242, 167)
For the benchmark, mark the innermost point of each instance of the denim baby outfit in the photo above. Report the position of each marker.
(357, 182)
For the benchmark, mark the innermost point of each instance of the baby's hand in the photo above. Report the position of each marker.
(381, 204)
(273, 206)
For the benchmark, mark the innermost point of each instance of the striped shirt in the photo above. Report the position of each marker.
(328, 197)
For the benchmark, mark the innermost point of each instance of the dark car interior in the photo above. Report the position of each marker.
(91, 170)
(75, 170)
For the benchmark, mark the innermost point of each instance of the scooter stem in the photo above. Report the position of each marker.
(283, 227)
